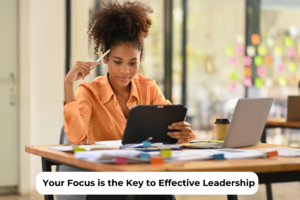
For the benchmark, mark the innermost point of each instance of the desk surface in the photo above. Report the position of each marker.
(260, 165)
(281, 122)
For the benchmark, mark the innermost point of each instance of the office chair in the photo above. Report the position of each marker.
(63, 168)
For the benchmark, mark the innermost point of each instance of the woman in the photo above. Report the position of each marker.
(100, 109)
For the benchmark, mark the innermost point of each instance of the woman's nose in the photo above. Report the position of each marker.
(124, 69)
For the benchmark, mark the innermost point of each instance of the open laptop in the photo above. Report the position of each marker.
(246, 126)
(293, 108)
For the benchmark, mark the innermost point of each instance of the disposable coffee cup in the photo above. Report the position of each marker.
(222, 126)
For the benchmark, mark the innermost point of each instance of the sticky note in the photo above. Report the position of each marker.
(272, 153)
(229, 51)
(262, 50)
(268, 61)
(247, 61)
(280, 68)
(121, 161)
(157, 160)
(239, 50)
(293, 80)
(145, 155)
(247, 72)
(278, 50)
(165, 153)
(219, 156)
(261, 71)
(233, 76)
(233, 61)
(281, 81)
(247, 82)
(292, 67)
(255, 39)
(270, 42)
(268, 82)
(258, 82)
(251, 51)
(290, 51)
(146, 144)
(288, 41)
(232, 87)
(78, 149)
(239, 39)
(258, 60)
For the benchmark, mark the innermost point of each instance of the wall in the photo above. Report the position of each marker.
(42, 70)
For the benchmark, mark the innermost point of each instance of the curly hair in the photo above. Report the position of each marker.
(117, 23)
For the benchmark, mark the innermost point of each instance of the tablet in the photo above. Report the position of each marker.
(146, 121)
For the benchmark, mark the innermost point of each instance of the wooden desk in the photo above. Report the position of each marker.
(278, 123)
(269, 170)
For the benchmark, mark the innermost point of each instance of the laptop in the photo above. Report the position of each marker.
(293, 108)
(247, 124)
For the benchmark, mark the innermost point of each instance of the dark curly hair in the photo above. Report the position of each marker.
(117, 23)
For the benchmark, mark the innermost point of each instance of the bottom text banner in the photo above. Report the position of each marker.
(184, 183)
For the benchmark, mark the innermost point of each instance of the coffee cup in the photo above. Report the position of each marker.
(222, 126)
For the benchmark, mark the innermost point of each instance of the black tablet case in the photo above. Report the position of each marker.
(152, 121)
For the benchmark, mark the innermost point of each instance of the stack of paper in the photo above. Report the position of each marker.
(86, 147)
(282, 151)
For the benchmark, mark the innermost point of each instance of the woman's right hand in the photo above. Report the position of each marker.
(79, 70)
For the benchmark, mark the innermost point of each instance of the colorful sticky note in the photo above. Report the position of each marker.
(272, 153)
(255, 39)
(233, 61)
(290, 51)
(282, 81)
(239, 50)
(268, 82)
(247, 72)
(247, 61)
(258, 60)
(262, 50)
(280, 68)
(219, 156)
(258, 82)
(278, 50)
(146, 144)
(232, 87)
(145, 155)
(270, 42)
(229, 51)
(165, 153)
(293, 80)
(251, 51)
(78, 149)
(292, 67)
(288, 41)
(261, 71)
(233, 76)
(268, 61)
(157, 160)
(247, 82)
(121, 161)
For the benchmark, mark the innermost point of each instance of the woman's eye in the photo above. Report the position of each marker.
(117, 62)
(132, 64)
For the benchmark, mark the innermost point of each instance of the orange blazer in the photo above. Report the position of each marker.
(96, 115)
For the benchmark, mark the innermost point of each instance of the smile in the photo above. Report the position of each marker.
(123, 78)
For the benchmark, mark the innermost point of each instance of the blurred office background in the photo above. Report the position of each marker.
(204, 54)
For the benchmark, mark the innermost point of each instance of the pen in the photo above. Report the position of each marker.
(103, 55)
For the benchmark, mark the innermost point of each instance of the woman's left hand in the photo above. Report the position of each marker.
(183, 133)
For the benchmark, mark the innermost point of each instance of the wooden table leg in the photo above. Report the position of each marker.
(46, 166)
(232, 197)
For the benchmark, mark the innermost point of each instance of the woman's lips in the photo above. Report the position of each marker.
(123, 78)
